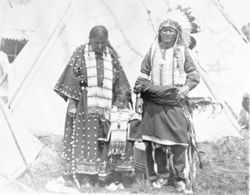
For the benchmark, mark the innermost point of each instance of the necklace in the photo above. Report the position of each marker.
(163, 53)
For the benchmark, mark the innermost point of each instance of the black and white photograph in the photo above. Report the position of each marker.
(124, 97)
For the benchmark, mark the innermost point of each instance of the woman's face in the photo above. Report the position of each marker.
(168, 35)
(98, 43)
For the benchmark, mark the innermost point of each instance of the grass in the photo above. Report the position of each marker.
(226, 169)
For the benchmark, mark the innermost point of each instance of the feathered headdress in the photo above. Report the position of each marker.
(181, 19)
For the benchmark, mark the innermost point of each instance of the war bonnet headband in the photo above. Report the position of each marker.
(182, 21)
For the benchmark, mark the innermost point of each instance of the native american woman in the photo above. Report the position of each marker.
(93, 83)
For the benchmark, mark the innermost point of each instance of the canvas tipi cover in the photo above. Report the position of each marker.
(17, 146)
(131, 25)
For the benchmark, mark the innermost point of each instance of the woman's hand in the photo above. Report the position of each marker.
(72, 108)
(183, 91)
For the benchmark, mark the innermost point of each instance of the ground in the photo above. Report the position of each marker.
(225, 169)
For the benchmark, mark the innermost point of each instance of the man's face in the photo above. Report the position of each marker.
(98, 43)
(168, 35)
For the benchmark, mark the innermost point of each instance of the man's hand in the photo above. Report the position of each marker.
(183, 91)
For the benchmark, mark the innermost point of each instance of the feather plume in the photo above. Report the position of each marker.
(183, 21)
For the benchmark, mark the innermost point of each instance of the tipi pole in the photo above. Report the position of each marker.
(27, 189)
(19, 148)
(227, 112)
(49, 40)
(229, 20)
(150, 21)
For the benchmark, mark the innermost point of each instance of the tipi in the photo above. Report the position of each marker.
(132, 29)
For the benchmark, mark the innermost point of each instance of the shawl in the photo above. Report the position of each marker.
(99, 96)
(158, 94)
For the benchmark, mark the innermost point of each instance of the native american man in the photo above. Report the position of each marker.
(167, 75)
